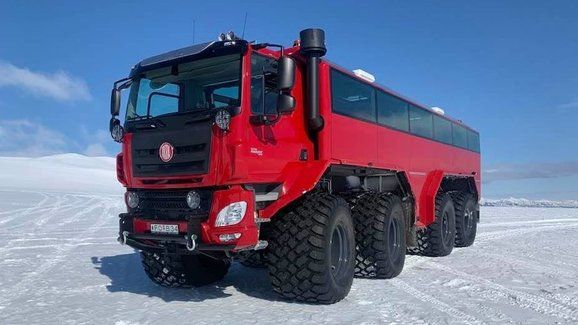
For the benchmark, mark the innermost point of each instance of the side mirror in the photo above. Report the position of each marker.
(285, 73)
(285, 104)
(115, 102)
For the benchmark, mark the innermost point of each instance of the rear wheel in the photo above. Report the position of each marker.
(380, 236)
(311, 250)
(466, 219)
(438, 238)
(183, 270)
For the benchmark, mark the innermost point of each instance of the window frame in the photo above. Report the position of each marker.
(251, 76)
(378, 92)
(374, 95)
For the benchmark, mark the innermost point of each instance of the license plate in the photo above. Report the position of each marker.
(157, 228)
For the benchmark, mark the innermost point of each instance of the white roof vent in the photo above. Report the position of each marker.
(364, 75)
(438, 110)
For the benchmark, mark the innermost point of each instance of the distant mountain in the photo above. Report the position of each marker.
(514, 202)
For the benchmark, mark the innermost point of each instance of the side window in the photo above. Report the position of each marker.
(225, 96)
(442, 130)
(460, 137)
(392, 111)
(263, 85)
(420, 122)
(352, 97)
(473, 141)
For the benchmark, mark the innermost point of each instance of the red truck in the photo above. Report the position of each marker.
(282, 159)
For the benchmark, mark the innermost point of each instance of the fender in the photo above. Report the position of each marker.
(427, 201)
(299, 178)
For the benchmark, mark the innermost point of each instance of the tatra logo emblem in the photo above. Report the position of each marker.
(166, 151)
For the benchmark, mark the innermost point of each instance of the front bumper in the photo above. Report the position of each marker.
(135, 228)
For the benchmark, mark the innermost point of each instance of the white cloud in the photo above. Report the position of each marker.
(96, 141)
(532, 170)
(573, 104)
(27, 138)
(59, 85)
(96, 150)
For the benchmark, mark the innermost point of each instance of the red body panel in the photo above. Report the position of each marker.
(349, 141)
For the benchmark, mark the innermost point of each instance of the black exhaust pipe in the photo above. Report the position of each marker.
(312, 48)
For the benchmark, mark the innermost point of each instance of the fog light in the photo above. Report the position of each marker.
(232, 214)
(131, 199)
(229, 237)
(193, 200)
(223, 119)
(117, 133)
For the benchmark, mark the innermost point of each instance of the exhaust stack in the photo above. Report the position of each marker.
(312, 48)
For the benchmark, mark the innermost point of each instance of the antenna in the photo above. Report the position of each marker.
(244, 25)
(193, 31)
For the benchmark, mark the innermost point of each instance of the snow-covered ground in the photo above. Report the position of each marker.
(60, 264)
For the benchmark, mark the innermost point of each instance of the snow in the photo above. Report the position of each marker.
(520, 202)
(61, 264)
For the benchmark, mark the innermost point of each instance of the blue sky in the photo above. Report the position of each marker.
(507, 68)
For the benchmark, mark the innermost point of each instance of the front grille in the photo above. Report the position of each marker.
(171, 204)
(191, 143)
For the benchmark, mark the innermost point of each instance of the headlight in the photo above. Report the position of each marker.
(193, 200)
(232, 214)
(223, 119)
(131, 199)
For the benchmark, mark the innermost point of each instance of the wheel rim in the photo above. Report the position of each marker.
(468, 220)
(394, 241)
(339, 251)
(445, 228)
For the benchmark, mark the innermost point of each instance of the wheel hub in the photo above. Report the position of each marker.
(340, 251)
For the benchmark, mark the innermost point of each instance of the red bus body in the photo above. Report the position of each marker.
(249, 154)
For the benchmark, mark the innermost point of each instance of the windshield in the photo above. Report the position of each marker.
(198, 85)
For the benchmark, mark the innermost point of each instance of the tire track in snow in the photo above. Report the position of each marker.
(437, 304)
(40, 205)
(536, 265)
(20, 288)
(517, 298)
(490, 236)
(10, 246)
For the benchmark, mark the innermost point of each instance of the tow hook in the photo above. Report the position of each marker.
(191, 244)
(122, 239)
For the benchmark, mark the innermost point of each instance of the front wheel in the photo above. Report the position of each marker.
(311, 250)
(183, 270)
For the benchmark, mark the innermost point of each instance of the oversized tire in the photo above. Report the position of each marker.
(254, 259)
(466, 219)
(439, 237)
(311, 250)
(183, 271)
(379, 235)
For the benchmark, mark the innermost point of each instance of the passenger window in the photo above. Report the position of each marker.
(459, 135)
(442, 129)
(392, 111)
(226, 96)
(420, 122)
(473, 141)
(263, 85)
(352, 97)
